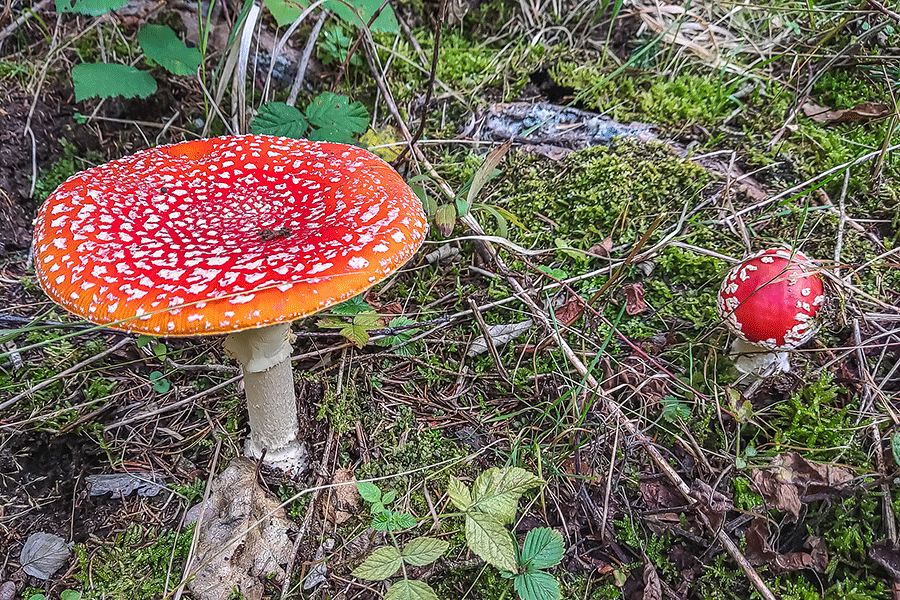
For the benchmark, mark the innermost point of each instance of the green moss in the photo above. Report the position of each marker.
(65, 166)
(134, 566)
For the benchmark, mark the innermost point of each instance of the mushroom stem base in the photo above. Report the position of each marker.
(264, 354)
(751, 359)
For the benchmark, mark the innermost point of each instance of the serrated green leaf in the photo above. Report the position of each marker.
(336, 118)
(543, 547)
(497, 491)
(489, 539)
(353, 306)
(423, 550)
(368, 491)
(380, 565)
(410, 589)
(445, 219)
(537, 585)
(364, 9)
(358, 336)
(278, 118)
(161, 45)
(388, 497)
(285, 11)
(459, 494)
(94, 8)
(368, 320)
(381, 521)
(106, 80)
(404, 521)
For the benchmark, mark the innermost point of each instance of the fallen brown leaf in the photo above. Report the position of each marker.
(634, 299)
(861, 112)
(343, 502)
(790, 480)
(886, 554)
(712, 504)
(759, 551)
(652, 587)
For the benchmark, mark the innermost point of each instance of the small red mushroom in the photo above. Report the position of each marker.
(237, 235)
(770, 302)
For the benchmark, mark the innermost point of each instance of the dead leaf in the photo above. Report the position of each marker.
(712, 504)
(343, 501)
(634, 299)
(886, 554)
(861, 112)
(790, 480)
(652, 587)
(243, 537)
(569, 312)
(604, 248)
(759, 551)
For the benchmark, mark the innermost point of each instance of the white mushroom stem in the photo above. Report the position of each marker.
(756, 360)
(264, 355)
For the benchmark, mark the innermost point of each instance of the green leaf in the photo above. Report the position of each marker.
(161, 385)
(369, 491)
(380, 565)
(423, 550)
(336, 118)
(70, 595)
(497, 491)
(160, 351)
(382, 521)
(489, 539)
(353, 306)
(537, 585)
(403, 521)
(399, 337)
(459, 494)
(94, 8)
(367, 320)
(143, 339)
(410, 589)
(386, 21)
(162, 46)
(675, 410)
(895, 446)
(278, 118)
(106, 80)
(285, 11)
(543, 547)
(388, 497)
(357, 335)
(485, 173)
(445, 219)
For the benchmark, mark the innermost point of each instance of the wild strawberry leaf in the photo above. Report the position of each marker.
(543, 547)
(161, 45)
(278, 118)
(536, 585)
(106, 80)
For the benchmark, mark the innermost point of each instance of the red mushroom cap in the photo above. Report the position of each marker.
(771, 298)
(224, 234)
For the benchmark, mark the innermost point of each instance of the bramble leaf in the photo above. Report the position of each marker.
(497, 491)
(410, 589)
(423, 550)
(162, 46)
(380, 565)
(278, 118)
(369, 491)
(358, 336)
(537, 585)
(543, 547)
(106, 80)
(459, 494)
(489, 539)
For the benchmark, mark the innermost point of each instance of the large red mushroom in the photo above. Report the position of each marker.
(770, 302)
(237, 235)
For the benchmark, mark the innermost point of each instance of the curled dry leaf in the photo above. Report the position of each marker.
(604, 248)
(712, 504)
(652, 586)
(343, 502)
(886, 554)
(861, 112)
(759, 551)
(634, 299)
(790, 480)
